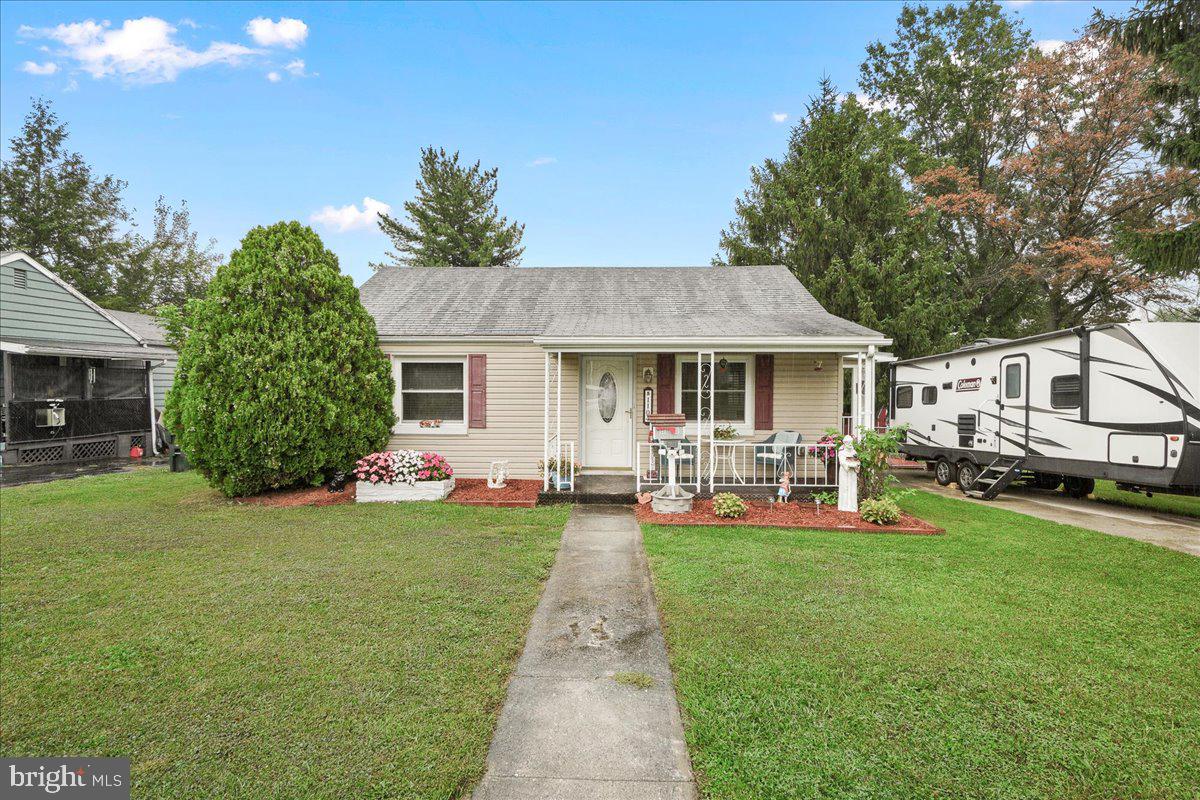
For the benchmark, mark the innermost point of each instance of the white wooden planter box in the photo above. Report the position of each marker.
(367, 492)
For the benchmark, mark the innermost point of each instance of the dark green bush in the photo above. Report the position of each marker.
(280, 380)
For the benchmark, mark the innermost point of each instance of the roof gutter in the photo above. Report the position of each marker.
(760, 344)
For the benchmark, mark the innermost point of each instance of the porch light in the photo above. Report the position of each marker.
(723, 364)
(648, 375)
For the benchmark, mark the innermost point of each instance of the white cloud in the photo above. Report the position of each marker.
(1017, 3)
(351, 217)
(34, 68)
(1049, 46)
(542, 161)
(287, 32)
(140, 51)
(779, 116)
(274, 77)
(296, 68)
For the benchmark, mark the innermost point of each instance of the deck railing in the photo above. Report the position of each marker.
(728, 465)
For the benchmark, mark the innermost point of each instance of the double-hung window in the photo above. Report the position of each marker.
(732, 390)
(431, 394)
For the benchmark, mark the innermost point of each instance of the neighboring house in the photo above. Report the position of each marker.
(78, 381)
(522, 364)
(152, 333)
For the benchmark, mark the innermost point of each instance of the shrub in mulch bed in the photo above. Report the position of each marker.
(304, 496)
(475, 492)
(791, 515)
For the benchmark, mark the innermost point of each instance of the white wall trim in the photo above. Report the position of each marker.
(453, 428)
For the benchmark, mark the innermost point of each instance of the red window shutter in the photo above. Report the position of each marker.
(477, 394)
(764, 392)
(666, 383)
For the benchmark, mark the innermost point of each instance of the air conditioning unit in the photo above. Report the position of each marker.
(52, 417)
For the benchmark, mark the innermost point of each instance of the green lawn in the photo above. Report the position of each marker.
(1107, 492)
(238, 651)
(1010, 658)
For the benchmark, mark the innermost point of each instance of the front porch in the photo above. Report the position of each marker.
(615, 418)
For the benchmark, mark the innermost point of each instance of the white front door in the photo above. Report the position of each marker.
(607, 411)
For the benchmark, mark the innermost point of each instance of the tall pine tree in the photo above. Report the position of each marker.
(453, 221)
(836, 211)
(53, 207)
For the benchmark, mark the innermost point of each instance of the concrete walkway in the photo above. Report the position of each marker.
(1172, 531)
(569, 728)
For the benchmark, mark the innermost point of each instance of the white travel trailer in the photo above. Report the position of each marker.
(1118, 401)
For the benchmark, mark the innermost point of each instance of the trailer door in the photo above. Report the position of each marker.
(1013, 425)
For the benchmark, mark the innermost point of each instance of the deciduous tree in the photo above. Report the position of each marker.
(1083, 183)
(168, 268)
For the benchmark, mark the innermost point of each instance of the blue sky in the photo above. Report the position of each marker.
(623, 133)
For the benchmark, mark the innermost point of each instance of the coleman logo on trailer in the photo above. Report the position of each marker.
(968, 384)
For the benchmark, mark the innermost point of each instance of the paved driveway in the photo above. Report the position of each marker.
(1165, 530)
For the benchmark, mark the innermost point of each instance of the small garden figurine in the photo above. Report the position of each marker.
(785, 488)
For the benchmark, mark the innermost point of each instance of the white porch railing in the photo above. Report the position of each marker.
(733, 464)
(564, 453)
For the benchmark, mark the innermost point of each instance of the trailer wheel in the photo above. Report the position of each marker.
(1079, 487)
(1046, 480)
(967, 473)
(943, 472)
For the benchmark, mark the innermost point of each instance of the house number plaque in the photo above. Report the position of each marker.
(647, 404)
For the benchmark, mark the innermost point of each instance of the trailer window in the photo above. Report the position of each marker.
(904, 397)
(929, 395)
(1012, 381)
(1065, 391)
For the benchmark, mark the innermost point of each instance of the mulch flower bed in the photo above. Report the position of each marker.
(475, 492)
(791, 515)
(305, 496)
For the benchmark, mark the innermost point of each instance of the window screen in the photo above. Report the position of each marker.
(432, 390)
(729, 393)
(1065, 391)
(1012, 381)
(929, 395)
(904, 397)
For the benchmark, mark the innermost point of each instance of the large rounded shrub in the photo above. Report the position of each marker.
(280, 380)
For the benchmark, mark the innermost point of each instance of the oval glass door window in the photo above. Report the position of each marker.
(607, 397)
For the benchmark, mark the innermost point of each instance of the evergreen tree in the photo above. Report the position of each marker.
(280, 381)
(166, 269)
(454, 222)
(55, 209)
(1169, 32)
(836, 210)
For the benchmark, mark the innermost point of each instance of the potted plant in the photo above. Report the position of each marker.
(557, 480)
(400, 475)
(724, 433)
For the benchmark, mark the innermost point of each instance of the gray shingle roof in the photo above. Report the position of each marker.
(567, 302)
(143, 325)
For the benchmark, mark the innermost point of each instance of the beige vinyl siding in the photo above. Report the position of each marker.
(515, 373)
(805, 400)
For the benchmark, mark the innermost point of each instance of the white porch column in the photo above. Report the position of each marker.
(712, 418)
(546, 425)
(558, 419)
(699, 421)
(856, 394)
(869, 389)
